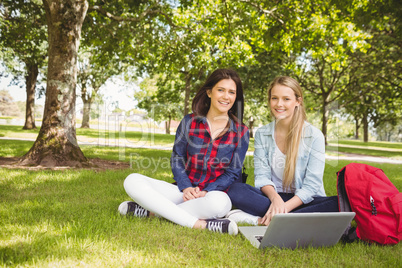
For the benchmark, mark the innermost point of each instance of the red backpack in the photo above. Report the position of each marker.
(377, 203)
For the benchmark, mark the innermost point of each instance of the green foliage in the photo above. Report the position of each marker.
(256, 79)
(161, 97)
(23, 35)
(7, 106)
(388, 132)
(346, 54)
(379, 85)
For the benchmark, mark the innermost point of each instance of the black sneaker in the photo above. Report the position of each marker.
(132, 209)
(222, 226)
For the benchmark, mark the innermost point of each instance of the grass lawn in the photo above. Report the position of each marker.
(377, 144)
(139, 139)
(377, 148)
(376, 152)
(69, 218)
(95, 136)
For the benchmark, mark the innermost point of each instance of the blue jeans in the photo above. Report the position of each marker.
(253, 201)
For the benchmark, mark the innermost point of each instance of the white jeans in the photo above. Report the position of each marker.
(166, 200)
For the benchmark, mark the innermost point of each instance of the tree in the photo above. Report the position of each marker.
(56, 143)
(23, 33)
(152, 97)
(379, 86)
(318, 37)
(389, 132)
(7, 106)
(323, 65)
(92, 74)
(256, 79)
(207, 36)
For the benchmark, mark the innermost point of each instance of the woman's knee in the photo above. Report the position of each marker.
(135, 181)
(237, 191)
(219, 202)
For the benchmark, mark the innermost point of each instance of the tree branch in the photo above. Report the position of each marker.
(228, 18)
(147, 12)
(105, 13)
(265, 11)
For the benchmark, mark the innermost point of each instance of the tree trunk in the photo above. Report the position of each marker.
(399, 135)
(250, 127)
(365, 127)
(86, 100)
(86, 116)
(56, 144)
(30, 82)
(357, 128)
(324, 126)
(187, 93)
(167, 124)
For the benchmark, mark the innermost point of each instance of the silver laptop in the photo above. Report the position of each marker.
(296, 230)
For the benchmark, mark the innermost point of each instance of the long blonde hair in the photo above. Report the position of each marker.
(296, 128)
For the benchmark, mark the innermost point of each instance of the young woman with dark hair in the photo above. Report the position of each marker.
(289, 162)
(202, 101)
(208, 154)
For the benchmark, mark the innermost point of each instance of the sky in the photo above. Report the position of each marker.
(114, 91)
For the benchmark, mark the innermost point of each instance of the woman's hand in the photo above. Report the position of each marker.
(277, 207)
(193, 193)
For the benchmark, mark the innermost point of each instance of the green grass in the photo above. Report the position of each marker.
(363, 151)
(378, 144)
(139, 139)
(11, 148)
(379, 148)
(95, 136)
(69, 218)
(17, 132)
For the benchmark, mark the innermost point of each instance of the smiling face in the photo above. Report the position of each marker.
(283, 102)
(223, 96)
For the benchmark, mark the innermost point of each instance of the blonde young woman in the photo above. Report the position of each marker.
(289, 161)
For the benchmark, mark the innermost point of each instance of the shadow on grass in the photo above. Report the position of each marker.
(53, 216)
(69, 218)
(130, 136)
(363, 151)
(383, 144)
(9, 129)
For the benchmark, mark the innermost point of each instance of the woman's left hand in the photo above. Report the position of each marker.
(201, 193)
(277, 207)
(192, 193)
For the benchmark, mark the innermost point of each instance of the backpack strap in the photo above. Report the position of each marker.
(244, 175)
(343, 200)
(350, 235)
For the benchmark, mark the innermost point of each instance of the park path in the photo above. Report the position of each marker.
(117, 143)
(368, 158)
(365, 147)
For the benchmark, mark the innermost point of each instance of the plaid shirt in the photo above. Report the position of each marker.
(197, 160)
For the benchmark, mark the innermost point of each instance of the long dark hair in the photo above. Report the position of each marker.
(202, 103)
